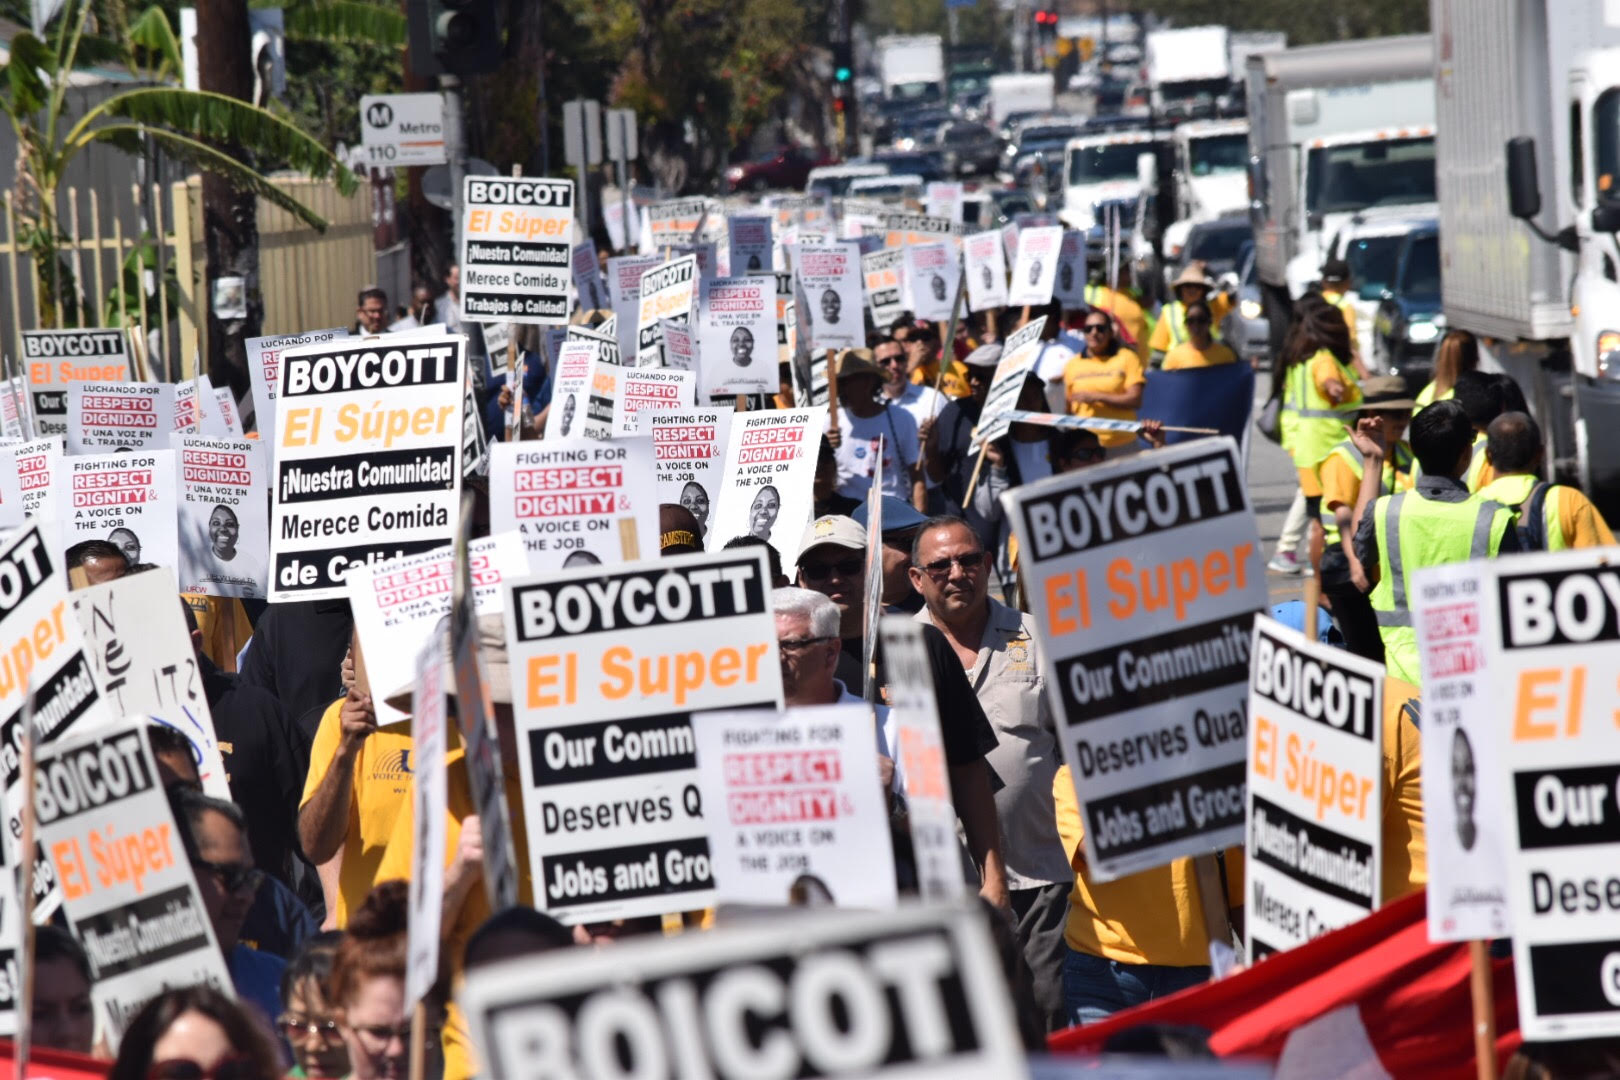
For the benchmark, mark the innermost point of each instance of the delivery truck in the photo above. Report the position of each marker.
(1528, 105)
(1010, 94)
(912, 67)
(1189, 70)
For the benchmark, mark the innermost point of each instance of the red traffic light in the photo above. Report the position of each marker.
(1046, 18)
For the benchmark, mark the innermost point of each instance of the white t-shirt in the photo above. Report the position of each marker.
(923, 403)
(858, 438)
(1049, 364)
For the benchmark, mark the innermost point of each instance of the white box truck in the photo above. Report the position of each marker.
(1334, 131)
(912, 67)
(1011, 94)
(1211, 176)
(1188, 69)
(1528, 101)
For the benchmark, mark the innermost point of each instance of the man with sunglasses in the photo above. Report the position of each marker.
(948, 453)
(866, 425)
(919, 400)
(997, 648)
(921, 344)
(1106, 382)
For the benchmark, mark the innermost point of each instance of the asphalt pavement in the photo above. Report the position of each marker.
(1272, 481)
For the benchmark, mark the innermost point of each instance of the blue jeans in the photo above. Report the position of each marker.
(1095, 988)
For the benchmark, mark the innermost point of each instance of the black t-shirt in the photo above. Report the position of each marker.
(296, 654)
(963, 727)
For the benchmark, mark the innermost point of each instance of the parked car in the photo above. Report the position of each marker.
(834, 180)
(1245, 329)
(1216, 244)
(785, 168)
(1409, 322)
(1371, 243)
(894, 188)
(928, 164)
(970, 149)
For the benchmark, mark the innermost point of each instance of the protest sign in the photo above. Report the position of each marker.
(942, 199)
(1009, 238)
(736, 326)
(106, 418)
(605, 685)
(620, 221)
(224, 517)
(1035, 269)
(1315, 782)
(516, 238)
(1017, 360)
(588, 286)
(430, 741)
(1069, 287)
(1071, 423)
(624, 286)
(786, 334)
(1550, 646)
(874, 574)
(36, 464)
(906, 230)
(796, 209)
(750, 245)
(57, 359)
(571, 381)
(11, 954)
(921, 991)
(127, 499)
(264, 370)
(1467, 826)
(674, 221)
(128, 889)
(225, 401)
(667, 292)
(791, 794)
(196, 409)
(649, 390)
(680, 345)
(708, 262)
(829, 277)
(931, 280)
(601, 401)
(986, 271)
(14, 416)
(13, 509)
(497, 339)
(917, 749)
(474, 444)
(1161, 550)
(603, 337)
(688, 445)
(140, 649)
(577, 502)
(368, 458)
(770, 468)
(398, 603)
(884, 294)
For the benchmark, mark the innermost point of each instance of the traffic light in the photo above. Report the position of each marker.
(843, 61)
(1046, 23)
(462, 37)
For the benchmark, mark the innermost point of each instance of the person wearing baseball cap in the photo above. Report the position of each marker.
(1192, 284)
(900, 522)
(1335, 284)
(868, 423)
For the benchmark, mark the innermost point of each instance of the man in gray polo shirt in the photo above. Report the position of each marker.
(997, 648)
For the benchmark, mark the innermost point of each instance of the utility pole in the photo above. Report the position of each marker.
(230, 217)
(455, 149)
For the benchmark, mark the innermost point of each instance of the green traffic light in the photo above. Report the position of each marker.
(842, 74)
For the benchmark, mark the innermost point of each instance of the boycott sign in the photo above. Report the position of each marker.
(881, 272)
(830, 277)
(770, 466)
(667, 292)
(57, 359)
(687, 445)
(794, 793)
(930, 277)
(516, 242)
(127, 886)
(918, 751)
(1467, 829)
(224, 517)
(140, 650)
(264, 369)
(1018, 359)
(1550, 647)
(126, 499)
(986, 271)
(588, 285)
(607, 674)
(571, 381)
(399, 603)
(737, 328)
(1036, 267)
(921, 991)
(648, 390)
(368, 458)
(907, 230)
(624, 285)
(673, 221)
(607, 345)
(41, 652)
(576, 502)
(119, 417)
(1161, 550)
(1069, 287)
(750, 245)
(1315, 779)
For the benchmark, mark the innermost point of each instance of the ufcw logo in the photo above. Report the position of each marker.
(394, 765)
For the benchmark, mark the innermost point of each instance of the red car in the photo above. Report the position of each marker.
(785, 168)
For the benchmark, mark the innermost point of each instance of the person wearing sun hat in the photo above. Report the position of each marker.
(865, 420)
(1192, 284)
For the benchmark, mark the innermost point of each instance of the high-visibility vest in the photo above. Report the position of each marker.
(1311, 425)
(1476, 463)
(1397, 477)
(1414, 532)
(1534, 503)
(1176, 312)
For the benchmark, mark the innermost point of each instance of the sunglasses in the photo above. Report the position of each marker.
(941, 568)
(1198, 322)
(1097, 328)
(822, 571)
(795, 644)
(294, 1027)
(234, 877)
(230, 1068)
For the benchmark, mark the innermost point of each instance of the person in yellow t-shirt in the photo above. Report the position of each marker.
(1406, 851)
(359, 782)
(923, 359)
(1128, 313)
(1200, 349)
(224, 625)
(1335, 284)
(1561, 517)
(1191, 285)
(1106, 382)
(1458, 352)
(1140, 937)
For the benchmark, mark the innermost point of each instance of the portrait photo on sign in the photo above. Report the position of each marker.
(224, 517)
(736, 335)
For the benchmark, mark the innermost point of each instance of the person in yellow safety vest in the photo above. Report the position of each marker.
(1385, 411)
(1335, 284)
(1549, 517)
(1436, 523)
(1318, 392)
(1130, 317)
(1458, 352)
(1485, 395)
(1193, 283)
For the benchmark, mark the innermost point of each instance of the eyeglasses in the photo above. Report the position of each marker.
(1097, 328)
(1198, 322)
(293, 1026)
(822, 571)
(895, 358)
(795, 644)
(235, 1067)
(234, 877)
(969, 562)
(380, 1035)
